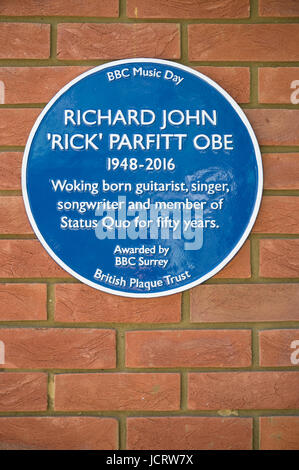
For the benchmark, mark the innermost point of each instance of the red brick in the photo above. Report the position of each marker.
(35, 84)
(281, 170)
(279, 258)
(278, 8)
(279, 433)
(13, 217)
(104, 8)
(57, 348)
(58, 433)
(275, 84)
(276, 347)
(235, 80)
(275, 126)
(24, 41)
(79, 303)
(27, 258)
(188, 9)
(75, 392)
(187, 348)
(15, 125)
(10, 170)
(23, 302)
(244, 303)
(116, 41)
(23, 392)
(278, 214)
(239, 266)
(176, 433)
(243, 390)
(243, 42)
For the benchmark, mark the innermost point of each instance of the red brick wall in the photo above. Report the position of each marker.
(214, 368)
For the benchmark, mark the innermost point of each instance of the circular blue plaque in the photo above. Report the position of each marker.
(142, 178)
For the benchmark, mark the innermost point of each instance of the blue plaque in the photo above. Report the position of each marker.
(142, 178)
